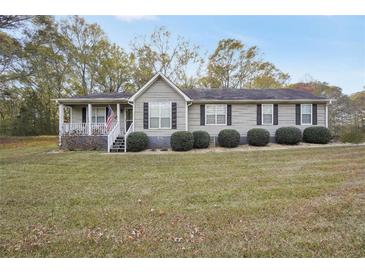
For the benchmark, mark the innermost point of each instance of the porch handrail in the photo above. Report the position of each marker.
(97, 129)
(129, 131)
(75, 128)
(113, 134)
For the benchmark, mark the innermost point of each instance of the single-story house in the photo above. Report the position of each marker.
(160, 108)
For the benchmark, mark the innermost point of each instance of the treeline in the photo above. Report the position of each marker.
(42, 58)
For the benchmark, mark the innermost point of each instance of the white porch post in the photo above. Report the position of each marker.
(118, 115)
(60, 123)
(89, 109)
(326, 115)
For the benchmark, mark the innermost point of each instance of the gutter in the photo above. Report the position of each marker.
(261, 100)
(89, 100)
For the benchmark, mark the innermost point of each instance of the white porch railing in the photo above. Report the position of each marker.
(129, 131)
(113, 134)
(99, 129)
(75, 128)
(83, 129)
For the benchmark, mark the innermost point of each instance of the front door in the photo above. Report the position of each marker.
(128, 118)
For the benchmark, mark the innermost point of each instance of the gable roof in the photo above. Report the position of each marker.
(153, 80)
(203, 94)
(227, 94)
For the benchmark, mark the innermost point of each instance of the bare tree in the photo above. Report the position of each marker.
(13, 21)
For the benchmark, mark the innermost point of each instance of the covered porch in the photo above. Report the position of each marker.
(91, 119)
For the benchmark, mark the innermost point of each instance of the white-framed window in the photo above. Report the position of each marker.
(306, 113)
(160, 114)
(267, 114)
(216, 114)
(98, 115)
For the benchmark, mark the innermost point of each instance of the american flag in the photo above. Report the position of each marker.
(109, 119)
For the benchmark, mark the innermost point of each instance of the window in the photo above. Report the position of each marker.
(160, 115)
(306, 114)
(98, 115)
(216, 114)
(267, 114)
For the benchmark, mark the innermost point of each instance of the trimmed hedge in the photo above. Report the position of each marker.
(288, 135)
(201, 139)
(317, 135)
(137, 141)
(182, 141)
(229, 138)
(258, 137)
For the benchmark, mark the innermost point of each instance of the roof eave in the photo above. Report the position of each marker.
(259, 100)
(91, 100)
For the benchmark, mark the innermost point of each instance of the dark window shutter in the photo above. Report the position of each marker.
(145, 115)
(276, 114)
(84, 114)
(202, 115)
(174, 114)
(314, 114)
(258, 117)
(297, 114)
(106, 113)
(229, 115)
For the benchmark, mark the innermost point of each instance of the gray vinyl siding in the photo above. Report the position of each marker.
(77, 114)
(160, 91)
(244, 118)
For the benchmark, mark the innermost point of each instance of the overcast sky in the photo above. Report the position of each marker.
(328, 48)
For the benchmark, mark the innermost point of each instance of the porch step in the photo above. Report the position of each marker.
(115, 150)
(118, 145)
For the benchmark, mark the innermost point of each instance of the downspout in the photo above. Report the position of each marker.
(132, 104)
(188, 104)
(327, 114)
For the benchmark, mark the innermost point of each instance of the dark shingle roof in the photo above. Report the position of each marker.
(223, 94)
(249, 94)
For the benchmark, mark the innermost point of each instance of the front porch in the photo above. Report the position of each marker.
(87, 123)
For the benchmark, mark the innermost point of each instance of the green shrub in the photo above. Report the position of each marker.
(137, 141)
(317, 135)
(352, 134)
(201, 139)
(258, 137)
(229, 138)
(182, 141)
(288, 135)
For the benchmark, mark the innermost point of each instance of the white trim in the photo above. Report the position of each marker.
(125, 117)
(118, 115)
(89, 109)
(301, 114)
(132, 104)
(124, 100)
(262, 101)
(326, 121)
(215, 124)
(154, 79)
(71, 114)
(60, 123)
(187, 116)
(91, 100)
(262, 115)
(96, 116)
(159, 115)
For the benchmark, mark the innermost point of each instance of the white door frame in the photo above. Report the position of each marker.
(125, 116)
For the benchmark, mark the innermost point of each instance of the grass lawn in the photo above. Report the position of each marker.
(283, 203)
